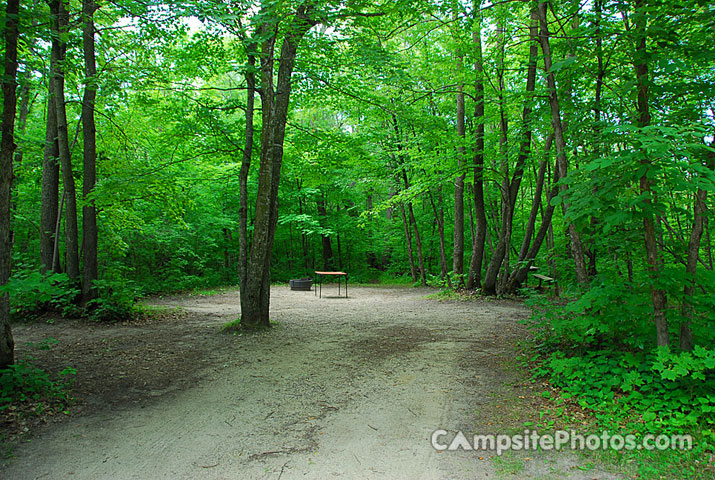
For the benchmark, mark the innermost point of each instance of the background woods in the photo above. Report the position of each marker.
(151, 147)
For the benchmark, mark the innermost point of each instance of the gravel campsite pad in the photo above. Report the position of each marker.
(339, 388)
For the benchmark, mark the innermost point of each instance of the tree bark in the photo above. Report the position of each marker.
(474, 278)
(686, 331)
(250, 76)
(7, 149)
(49, 209)
(439, 222)
(60, 25)
(653, 257)
(255, 300)
(458, 251)
(529, 250)
(408, 238)
(89, 130)
(510, 189)
(576, 246)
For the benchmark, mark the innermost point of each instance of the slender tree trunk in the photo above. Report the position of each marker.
(474, 279)
(418, 240)
(708, 244)
(7, 149)
(510, 189)
(24, 96)
(60, 25)
(576, 245)
(686, 332)
(408, 238)
(439, 222)
(458, 252)
(600, 74)
(653, 256)
(50, 188)
(89, 130)
(418, 244)
(528, 252)
(246, 166)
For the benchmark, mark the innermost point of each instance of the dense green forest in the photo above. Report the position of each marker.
(152, 146)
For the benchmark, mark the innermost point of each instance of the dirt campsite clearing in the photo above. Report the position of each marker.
(339, 388)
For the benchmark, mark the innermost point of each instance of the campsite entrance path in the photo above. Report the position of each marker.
(340, 388)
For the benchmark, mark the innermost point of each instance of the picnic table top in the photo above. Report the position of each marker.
(330, 273)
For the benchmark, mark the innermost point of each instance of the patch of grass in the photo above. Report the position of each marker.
(211, 291)
(451, 294)
(508, 464)
(392, 279)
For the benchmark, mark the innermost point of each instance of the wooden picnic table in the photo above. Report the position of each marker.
(339, 275)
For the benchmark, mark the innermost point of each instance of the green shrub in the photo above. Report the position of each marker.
(24, 382)
(116, 300)
(32, 292)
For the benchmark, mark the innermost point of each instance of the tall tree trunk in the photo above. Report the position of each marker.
(510, 189)
(60, 25)
(474, 278)
(458, 252)
(89, 130)
(255, 301)
(529, 250)
(418, 244)
(686, 332)
(600, 74)
(408, 239)
(24, 96)
(576, 245)
(439, 222)
(7, 149)
(418, 240)
(653, 256)
(49, 209)
(246, 167)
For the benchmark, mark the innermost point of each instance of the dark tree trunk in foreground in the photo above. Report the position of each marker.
(574, 237)
(250, 75)
(255, 295)
(7, 149)
(89, 130)
(474, 278)
(60, 25)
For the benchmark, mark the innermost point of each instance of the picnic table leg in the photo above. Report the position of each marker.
(346, 286)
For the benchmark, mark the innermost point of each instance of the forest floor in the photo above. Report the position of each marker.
(339, 388)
